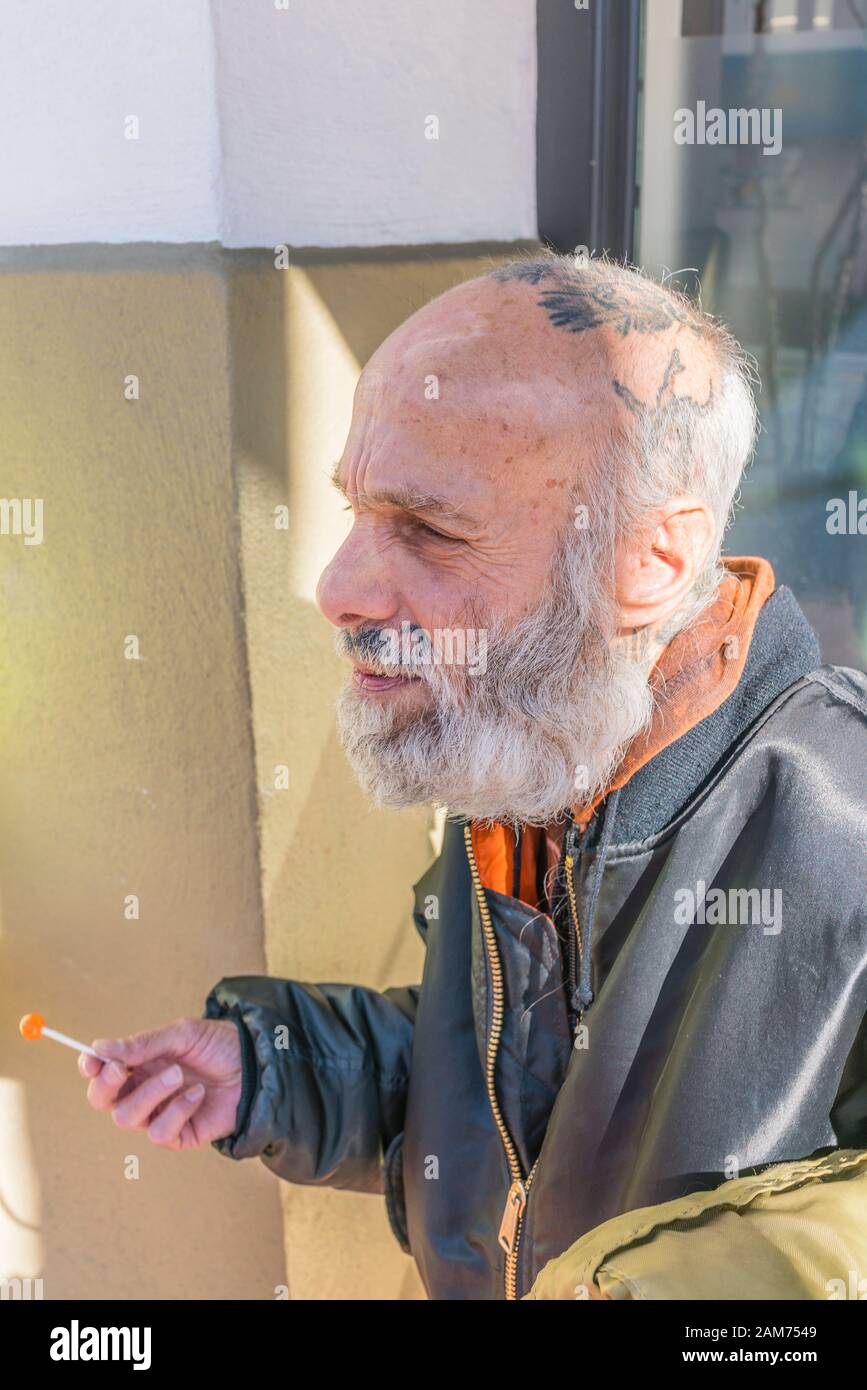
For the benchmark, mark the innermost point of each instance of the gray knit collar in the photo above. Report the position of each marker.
(783, 649)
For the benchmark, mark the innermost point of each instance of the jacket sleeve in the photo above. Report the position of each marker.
(325, 1070)
(796, 1231)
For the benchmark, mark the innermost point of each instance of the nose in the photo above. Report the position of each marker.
(355, 586)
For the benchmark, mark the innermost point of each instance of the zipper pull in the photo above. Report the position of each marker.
(515, 1203)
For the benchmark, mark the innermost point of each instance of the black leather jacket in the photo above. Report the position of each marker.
(708, 1044)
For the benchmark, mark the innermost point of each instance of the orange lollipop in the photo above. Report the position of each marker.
(32, 1026)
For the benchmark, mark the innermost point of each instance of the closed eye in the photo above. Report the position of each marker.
(416, 525)
(429, 530)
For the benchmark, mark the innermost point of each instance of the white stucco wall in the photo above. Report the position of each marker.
(258, 125)
(70, 75)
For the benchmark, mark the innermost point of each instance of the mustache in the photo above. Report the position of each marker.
(369, 649)
(420, 652)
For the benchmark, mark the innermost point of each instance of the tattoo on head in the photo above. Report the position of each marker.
(668, 408)
(576, 306)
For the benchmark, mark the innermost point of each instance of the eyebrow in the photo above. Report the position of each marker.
(411, 499)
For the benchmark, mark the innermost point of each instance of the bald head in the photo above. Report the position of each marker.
(486, 419)
(569, 331)
(546, 453)
(682, 382)
(572, 353)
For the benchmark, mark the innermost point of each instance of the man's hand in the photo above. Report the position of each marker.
(181, 1083)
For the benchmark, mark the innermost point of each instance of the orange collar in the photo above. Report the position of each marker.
(696, 672)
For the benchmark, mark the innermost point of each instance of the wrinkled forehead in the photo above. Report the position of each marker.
(494, 338)
(481, 378)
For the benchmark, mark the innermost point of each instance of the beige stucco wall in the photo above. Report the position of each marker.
(120, 776)
(157, 776)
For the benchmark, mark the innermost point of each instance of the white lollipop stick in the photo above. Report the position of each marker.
(70, 1042)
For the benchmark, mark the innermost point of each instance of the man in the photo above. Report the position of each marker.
(636, 1064)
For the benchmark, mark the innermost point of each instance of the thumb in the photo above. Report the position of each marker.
(145, 1046)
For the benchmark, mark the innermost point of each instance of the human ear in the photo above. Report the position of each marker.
(657, 565)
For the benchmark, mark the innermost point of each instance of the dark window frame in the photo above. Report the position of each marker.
(587, 124)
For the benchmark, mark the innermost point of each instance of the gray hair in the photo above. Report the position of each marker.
(663, 452)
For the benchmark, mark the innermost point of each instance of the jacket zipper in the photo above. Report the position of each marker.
(509, 1233)
(575, 942)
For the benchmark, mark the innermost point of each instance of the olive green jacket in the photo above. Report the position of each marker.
(797, 1231)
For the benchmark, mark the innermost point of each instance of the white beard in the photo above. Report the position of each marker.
(541, 729)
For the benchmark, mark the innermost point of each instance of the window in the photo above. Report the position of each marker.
(752, 174)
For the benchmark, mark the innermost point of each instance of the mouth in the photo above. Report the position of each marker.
(375, 682)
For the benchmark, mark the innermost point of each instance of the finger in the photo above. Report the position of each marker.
(104, 1087)
(149, 1045)
(135, 1109)
(87, 1065)
(166, 1128)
